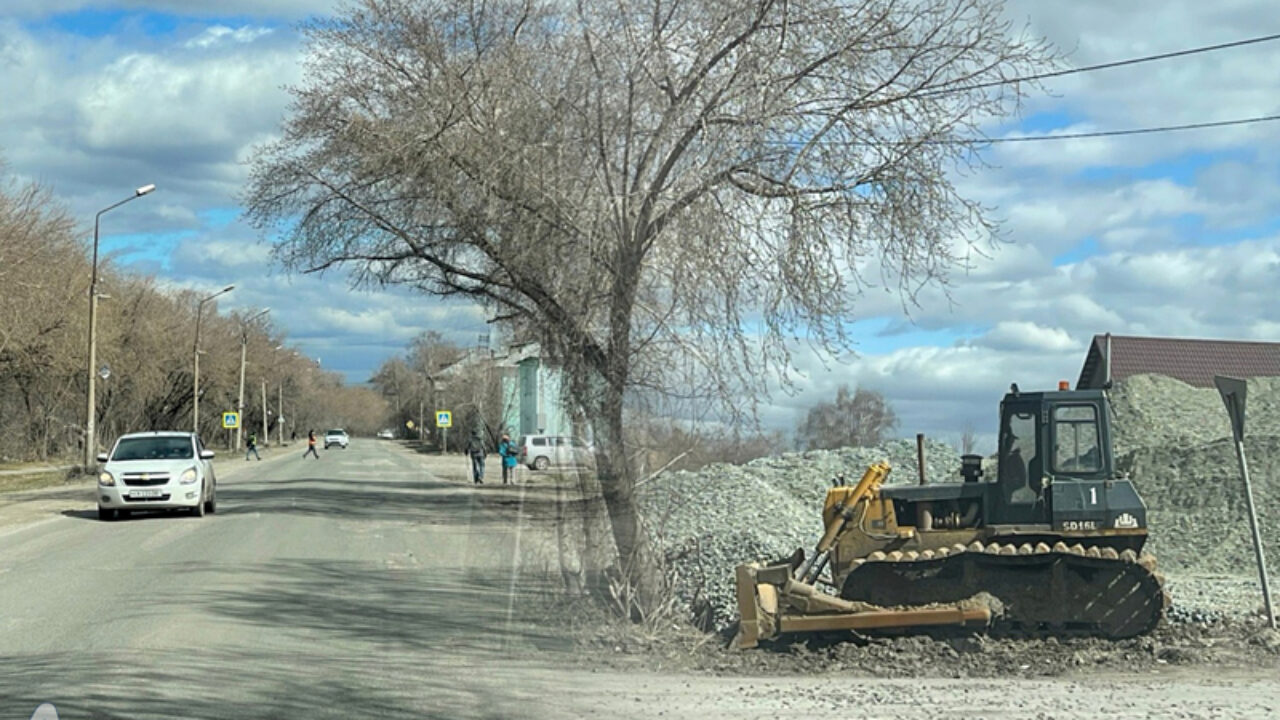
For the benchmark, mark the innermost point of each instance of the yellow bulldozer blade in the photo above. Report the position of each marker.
(771, 602)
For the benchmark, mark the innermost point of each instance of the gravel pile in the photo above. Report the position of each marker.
(1175, 441)
(713, 519)
(1157, 411)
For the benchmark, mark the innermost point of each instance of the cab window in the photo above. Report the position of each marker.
(1018, 466)
(1076, 446)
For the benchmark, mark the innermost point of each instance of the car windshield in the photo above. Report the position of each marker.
(336, 432)
(153, 448)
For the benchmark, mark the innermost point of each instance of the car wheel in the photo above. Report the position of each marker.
(541, 463)
(198, 510)
(106, 514)
(211, 506)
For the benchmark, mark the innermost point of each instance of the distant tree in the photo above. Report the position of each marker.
(861, 418)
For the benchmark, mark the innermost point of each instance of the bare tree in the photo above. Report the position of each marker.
(862, 418)
(44, 271)
(968, 439)
(643, 186)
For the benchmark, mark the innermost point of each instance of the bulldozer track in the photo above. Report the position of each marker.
(1037, 589)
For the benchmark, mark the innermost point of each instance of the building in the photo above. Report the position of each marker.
(532, 403)
(1191, 360)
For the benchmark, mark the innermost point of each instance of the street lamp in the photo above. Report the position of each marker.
(195, 353)
(244, 342)
(90, 429)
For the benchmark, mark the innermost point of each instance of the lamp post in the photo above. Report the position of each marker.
(280, 416)
(244, 342)
(195, 353)
(90, 425)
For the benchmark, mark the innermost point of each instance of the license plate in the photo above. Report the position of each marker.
(146, 493)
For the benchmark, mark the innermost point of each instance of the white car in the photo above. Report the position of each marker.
(386, 434)
(541, 452)
(156, 471)
(336, 437)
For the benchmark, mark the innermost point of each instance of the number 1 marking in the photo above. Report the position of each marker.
(1093, 496)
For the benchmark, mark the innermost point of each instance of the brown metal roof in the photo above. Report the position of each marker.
(1192, 361)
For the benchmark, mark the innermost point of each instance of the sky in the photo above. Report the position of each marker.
(1172, 234)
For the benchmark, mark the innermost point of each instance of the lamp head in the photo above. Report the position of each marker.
(145, 189)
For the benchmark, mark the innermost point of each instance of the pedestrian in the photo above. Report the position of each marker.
(507, 450)
(251, 446)
(293, 435)
(475, 448)
(311, 445)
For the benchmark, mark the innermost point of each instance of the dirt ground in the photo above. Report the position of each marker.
(1225, 668)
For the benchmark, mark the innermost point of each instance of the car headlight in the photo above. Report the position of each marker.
(106, 478)
(188, 477)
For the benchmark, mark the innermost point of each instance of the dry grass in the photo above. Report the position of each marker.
(32, 481)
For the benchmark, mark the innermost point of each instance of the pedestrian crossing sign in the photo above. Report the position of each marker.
(444, 419)
(231, 420)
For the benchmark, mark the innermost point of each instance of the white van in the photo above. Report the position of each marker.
(541, 452)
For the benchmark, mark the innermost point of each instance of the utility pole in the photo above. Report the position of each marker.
(244, 342)
(91, 414)
(195, 352)
(280, 415)
(265, 436)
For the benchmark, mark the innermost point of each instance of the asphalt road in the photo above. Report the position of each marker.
(363, 585)
(355, 585)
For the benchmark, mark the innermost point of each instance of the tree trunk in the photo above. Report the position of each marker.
(617, 484)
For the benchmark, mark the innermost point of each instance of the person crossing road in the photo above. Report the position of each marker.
(311, 445)
(251, 446)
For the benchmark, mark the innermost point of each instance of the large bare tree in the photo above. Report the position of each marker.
(644, 186)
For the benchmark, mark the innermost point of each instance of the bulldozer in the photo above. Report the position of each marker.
(1051, 545)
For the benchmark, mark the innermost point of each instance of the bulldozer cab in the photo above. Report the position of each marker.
(1049, 438)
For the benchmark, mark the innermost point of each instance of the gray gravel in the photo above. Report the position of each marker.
(723, 515)
(1153, 411)
(1175, 440)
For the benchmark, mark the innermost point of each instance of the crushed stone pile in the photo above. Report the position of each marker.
(1157, 411)
(713, 519)
(1175, 442)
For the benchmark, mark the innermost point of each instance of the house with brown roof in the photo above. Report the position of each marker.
(1191, 360)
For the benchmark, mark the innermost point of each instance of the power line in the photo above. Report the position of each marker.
(1046, 138)
(1110, 133)
(1103, 66)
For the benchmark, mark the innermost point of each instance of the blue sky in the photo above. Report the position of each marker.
(1171, 234)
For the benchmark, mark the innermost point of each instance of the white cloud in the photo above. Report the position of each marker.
(99, 117)
(257, 8)
(221, 34)
(1021, 335)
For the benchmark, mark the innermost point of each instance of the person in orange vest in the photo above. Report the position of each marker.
(311, 445)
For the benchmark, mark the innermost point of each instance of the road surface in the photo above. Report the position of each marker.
(364, 585)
